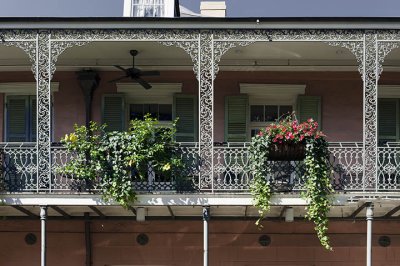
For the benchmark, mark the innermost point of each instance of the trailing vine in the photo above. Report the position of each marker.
(318, 187)
(260, 188)
(115, 160)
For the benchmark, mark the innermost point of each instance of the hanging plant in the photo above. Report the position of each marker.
(290, 140)
(115, 160)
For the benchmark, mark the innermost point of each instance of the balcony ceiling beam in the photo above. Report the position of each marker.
(283, 211)
(132, 210)
(25, 211)
(60, 211)
(358, 210)
(97, 211)
(171, 212)
(391, 212)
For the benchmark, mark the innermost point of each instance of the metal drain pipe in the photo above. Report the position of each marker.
(43, 218)
(206, 218)
(370, 217)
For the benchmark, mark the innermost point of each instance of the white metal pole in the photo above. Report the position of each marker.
(43, 217)
(206, 218)
(370, 215)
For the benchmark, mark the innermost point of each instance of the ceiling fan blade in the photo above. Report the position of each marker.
(149, 73)
(142, 82)
(114, 80)
(120, 68)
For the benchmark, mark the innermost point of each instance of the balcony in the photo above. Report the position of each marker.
(230, 171)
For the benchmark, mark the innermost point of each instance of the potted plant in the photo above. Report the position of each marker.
(290, 140)
(115, 160)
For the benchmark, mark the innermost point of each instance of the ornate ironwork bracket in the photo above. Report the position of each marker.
(361, 45)
(196, 44)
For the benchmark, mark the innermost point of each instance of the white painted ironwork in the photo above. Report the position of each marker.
(206, 48)
(363, 44)
(231, 170)
(18, 167)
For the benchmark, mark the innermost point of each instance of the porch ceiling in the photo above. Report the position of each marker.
(383, 209)
(258, 56)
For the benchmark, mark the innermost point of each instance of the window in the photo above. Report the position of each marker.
(388, 120)
(162, 112)
(269, 113)
(260, 104)
(164, 102)
(148, 8)
(260, 115)
(20, 118)
(388, 114)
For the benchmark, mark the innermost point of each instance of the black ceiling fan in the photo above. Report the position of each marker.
(135, 73)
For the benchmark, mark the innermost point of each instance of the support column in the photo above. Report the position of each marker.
(43, 72)
(206, 218)
(206, 109)
(370, 216)
(43, 218)
(370, 134)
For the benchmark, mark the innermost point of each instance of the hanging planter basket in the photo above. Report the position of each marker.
(287, 152)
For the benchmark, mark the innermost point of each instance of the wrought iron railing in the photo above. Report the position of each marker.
(230, 170)
(388, 176)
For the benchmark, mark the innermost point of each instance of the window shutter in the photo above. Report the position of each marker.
(236, 118)
(388, 119)
(33, 118)
(113, 106)
(185, 109)
(309, 107)
(17, 118)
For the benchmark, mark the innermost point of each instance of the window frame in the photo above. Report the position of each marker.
(25, 89)
(160, 93)
(270, 94)
(256, 125)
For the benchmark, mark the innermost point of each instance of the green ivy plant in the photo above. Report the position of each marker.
(318, 187)
(115, 160)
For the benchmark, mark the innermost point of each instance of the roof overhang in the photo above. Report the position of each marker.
(199, 23)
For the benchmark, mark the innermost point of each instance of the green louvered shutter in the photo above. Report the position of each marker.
(113, 106)
(185, 109)
(33, 119)
(309, 107)
(388, 110)
(236, 118)
(17, 118)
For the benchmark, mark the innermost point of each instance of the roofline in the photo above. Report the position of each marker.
(200, 23)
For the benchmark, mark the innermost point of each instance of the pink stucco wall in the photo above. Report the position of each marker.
(231, 243)
(69, 104)
(341, 94)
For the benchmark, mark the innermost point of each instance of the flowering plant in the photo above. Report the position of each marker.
(316, 177)
(290, 130)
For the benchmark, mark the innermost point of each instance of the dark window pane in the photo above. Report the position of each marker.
(165, 112)
(257, 113)
(254, 132)
(285, 110)
(136, 111)
(151, 109)
(271, 113)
